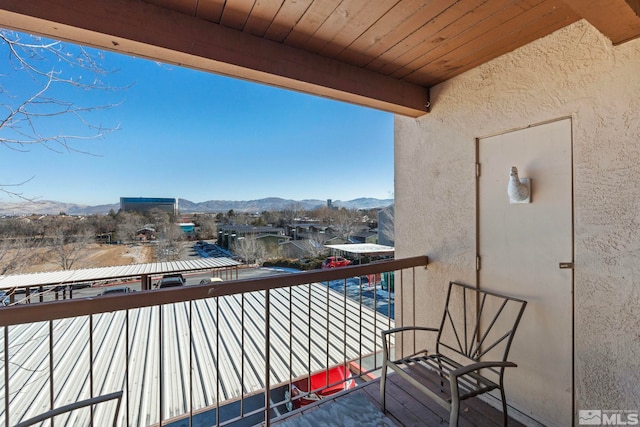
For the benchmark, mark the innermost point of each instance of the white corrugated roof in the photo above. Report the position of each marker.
(364, 248)
(120, 271)
(335, 323)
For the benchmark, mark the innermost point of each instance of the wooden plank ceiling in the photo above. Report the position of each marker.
(384, 53)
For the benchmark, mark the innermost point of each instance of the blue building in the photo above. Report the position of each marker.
(187, 227)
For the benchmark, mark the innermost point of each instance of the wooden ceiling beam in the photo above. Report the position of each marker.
(142, 29)
(619, 20)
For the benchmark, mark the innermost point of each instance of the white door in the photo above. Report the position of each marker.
(521, 248)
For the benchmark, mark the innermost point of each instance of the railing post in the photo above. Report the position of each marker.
(344, 323)
(51, 394)
(360, 321)
(375, 320)
(90, 368)
(267, 414)
(309, 339)
(291, 346)
(6, 376)
(413, 309)
(326, 334)
(217, 361)
(126, 366)
(190, 363)
(160, 375)
(242, 362)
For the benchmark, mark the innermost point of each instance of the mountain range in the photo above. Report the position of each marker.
(49, 207)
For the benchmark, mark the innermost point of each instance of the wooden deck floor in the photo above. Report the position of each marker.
(408, 407)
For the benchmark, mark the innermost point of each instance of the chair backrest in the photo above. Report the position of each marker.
(478, 324)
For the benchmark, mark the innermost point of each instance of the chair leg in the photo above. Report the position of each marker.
(453, 415)
(455, 402)
(505, 416)
(383, 381)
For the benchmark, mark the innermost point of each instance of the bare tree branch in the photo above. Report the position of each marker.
(15, 254)
(5, 189)
(317, 242)
(249, 250)
(69, 250)
(45, 86)
(345, 223)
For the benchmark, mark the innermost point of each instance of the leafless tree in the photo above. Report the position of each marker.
(128, 225)
(70, 250)
(169, 246)
(291, 212)
(316, 244)
(16, 253)
(102, 224)
(20, 240)
(160, 218)
(277, 218)
(322, 214)
(208, 227)
(345, 222)
(38, 75)
(249, 249)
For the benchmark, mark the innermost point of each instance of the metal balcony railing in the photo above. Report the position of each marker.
(236, 353)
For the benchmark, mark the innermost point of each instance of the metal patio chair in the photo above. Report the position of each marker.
(471, 349)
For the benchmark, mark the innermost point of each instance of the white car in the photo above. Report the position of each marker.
(210, 281)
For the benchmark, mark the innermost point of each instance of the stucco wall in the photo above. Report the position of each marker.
(576, 73)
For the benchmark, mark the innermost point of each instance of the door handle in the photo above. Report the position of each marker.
(566, 265)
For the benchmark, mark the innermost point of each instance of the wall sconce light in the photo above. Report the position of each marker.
(519, 190)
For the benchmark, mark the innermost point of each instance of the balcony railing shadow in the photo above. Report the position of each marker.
(236, 353)
(405, 407)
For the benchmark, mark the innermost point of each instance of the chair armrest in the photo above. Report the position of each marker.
(408, 328)
(479, 365)
(385, 346)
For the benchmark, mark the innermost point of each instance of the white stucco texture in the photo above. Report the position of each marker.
(575, 72)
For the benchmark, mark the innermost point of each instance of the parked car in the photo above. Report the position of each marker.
(116, 290)
(4, 299)
(210, 280)
(171, 281)
(175, 275)
(335, 261)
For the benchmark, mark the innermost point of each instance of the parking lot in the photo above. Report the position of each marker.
(96, 289)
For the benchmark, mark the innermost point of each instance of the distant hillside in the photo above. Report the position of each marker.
(270, 203)
(275, 203)
(49, 207)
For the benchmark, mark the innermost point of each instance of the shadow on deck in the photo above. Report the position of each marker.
(407, 407)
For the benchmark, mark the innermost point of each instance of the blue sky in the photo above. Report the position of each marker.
(198, 136)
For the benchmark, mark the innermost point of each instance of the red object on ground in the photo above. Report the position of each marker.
(374, 279)
(338, 375)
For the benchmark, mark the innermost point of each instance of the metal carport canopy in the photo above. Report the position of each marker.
(364, 249)
(115, 272)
